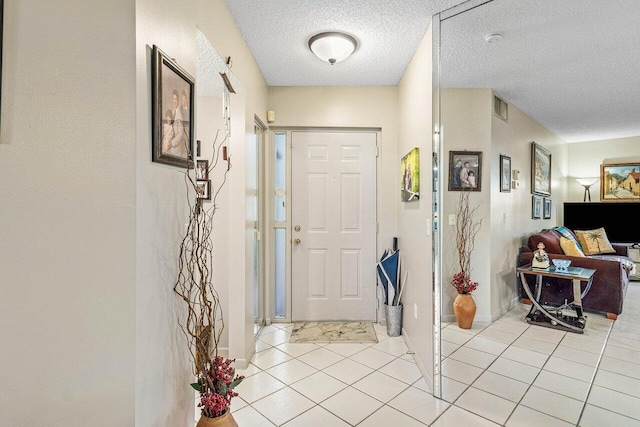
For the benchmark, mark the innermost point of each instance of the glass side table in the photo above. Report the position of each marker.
(555, 317)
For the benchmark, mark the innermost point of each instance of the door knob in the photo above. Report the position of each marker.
(297, 241)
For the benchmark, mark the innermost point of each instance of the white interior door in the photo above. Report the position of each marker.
(334, 226)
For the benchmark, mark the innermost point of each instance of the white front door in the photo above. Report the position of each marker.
(334, 225)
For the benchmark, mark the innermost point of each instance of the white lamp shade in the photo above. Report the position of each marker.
(588, 182)
(332, 47)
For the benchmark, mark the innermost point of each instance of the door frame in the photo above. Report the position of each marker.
(269, 212)
(261, 144)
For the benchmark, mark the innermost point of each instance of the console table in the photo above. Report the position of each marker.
(554, 317)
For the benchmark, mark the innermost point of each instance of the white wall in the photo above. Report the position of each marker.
(163, 369)
(67, 213)
(217, 24)
(466, 125)
(414, 218)
(586, 157)
(469, 124)
(367, 107)
(512, 211)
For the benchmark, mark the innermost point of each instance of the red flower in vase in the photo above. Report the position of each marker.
(463, 284)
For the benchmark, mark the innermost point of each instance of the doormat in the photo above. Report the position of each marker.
(322, 332)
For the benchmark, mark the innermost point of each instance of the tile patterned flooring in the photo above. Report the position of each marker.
(507, 373)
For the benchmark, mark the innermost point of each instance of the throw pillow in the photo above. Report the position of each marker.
(570, 248)
(594, 242)
(564, 231)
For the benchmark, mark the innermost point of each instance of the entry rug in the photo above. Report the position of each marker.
(323, 332)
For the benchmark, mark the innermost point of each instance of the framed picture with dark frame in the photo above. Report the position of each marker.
(505, 173)
(172, 111)
(202, 170)
(540, 170)
(620, 182)
(203, 190)
(465, 170)
(546, 208)
(536, 207)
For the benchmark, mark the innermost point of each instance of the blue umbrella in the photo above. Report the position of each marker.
(388, 272)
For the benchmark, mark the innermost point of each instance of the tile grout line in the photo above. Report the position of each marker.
(595, 373)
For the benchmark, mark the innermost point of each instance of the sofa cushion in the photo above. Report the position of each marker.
(565, 232)
(570, 248)
(594, 242)
(551, 240)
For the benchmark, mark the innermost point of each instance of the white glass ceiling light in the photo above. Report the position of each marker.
(332, 46)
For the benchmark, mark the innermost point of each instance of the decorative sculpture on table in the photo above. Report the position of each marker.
(540, 257)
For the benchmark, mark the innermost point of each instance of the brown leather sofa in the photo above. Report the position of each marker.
(609, 283)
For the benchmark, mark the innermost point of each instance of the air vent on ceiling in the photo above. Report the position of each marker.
(500, 108)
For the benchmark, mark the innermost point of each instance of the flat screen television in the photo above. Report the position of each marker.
(620, 220)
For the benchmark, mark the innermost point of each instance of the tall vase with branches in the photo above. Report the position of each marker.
(467, 227)
(202, 322)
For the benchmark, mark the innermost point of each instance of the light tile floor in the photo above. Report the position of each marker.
(507, 373)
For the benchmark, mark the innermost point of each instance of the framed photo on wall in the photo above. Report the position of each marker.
(465, 170)
(172, 111)
(203, 189)
(505, 174)
(620, 182)
(410, 167)
(202, 170)
(546, 208)
(536, 207)
(540, 170)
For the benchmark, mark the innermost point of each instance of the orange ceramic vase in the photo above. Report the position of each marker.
(225, 420)
(465, 309)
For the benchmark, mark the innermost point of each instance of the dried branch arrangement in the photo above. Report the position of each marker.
(203, 324)
(466, 230)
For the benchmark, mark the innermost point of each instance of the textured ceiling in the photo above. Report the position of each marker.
(572, 65)
(388, 32)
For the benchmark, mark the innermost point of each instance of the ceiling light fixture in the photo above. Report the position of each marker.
(332, 46)
(493, 37)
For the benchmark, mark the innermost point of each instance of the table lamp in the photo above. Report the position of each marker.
(587, 183)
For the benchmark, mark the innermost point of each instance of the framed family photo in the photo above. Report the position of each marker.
(172, 121)
(620, 182)
(465, 170)
(202, 170)
(540, 170)
(203, 190)
(410, 167)
(505, 174)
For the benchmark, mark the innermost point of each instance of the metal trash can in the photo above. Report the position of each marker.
(393, 314)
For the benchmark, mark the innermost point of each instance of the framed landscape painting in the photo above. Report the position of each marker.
(465, 170)
(620, 182)
(540, 170)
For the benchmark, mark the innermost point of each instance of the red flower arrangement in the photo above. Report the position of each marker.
(463, 284)
(216, 387)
